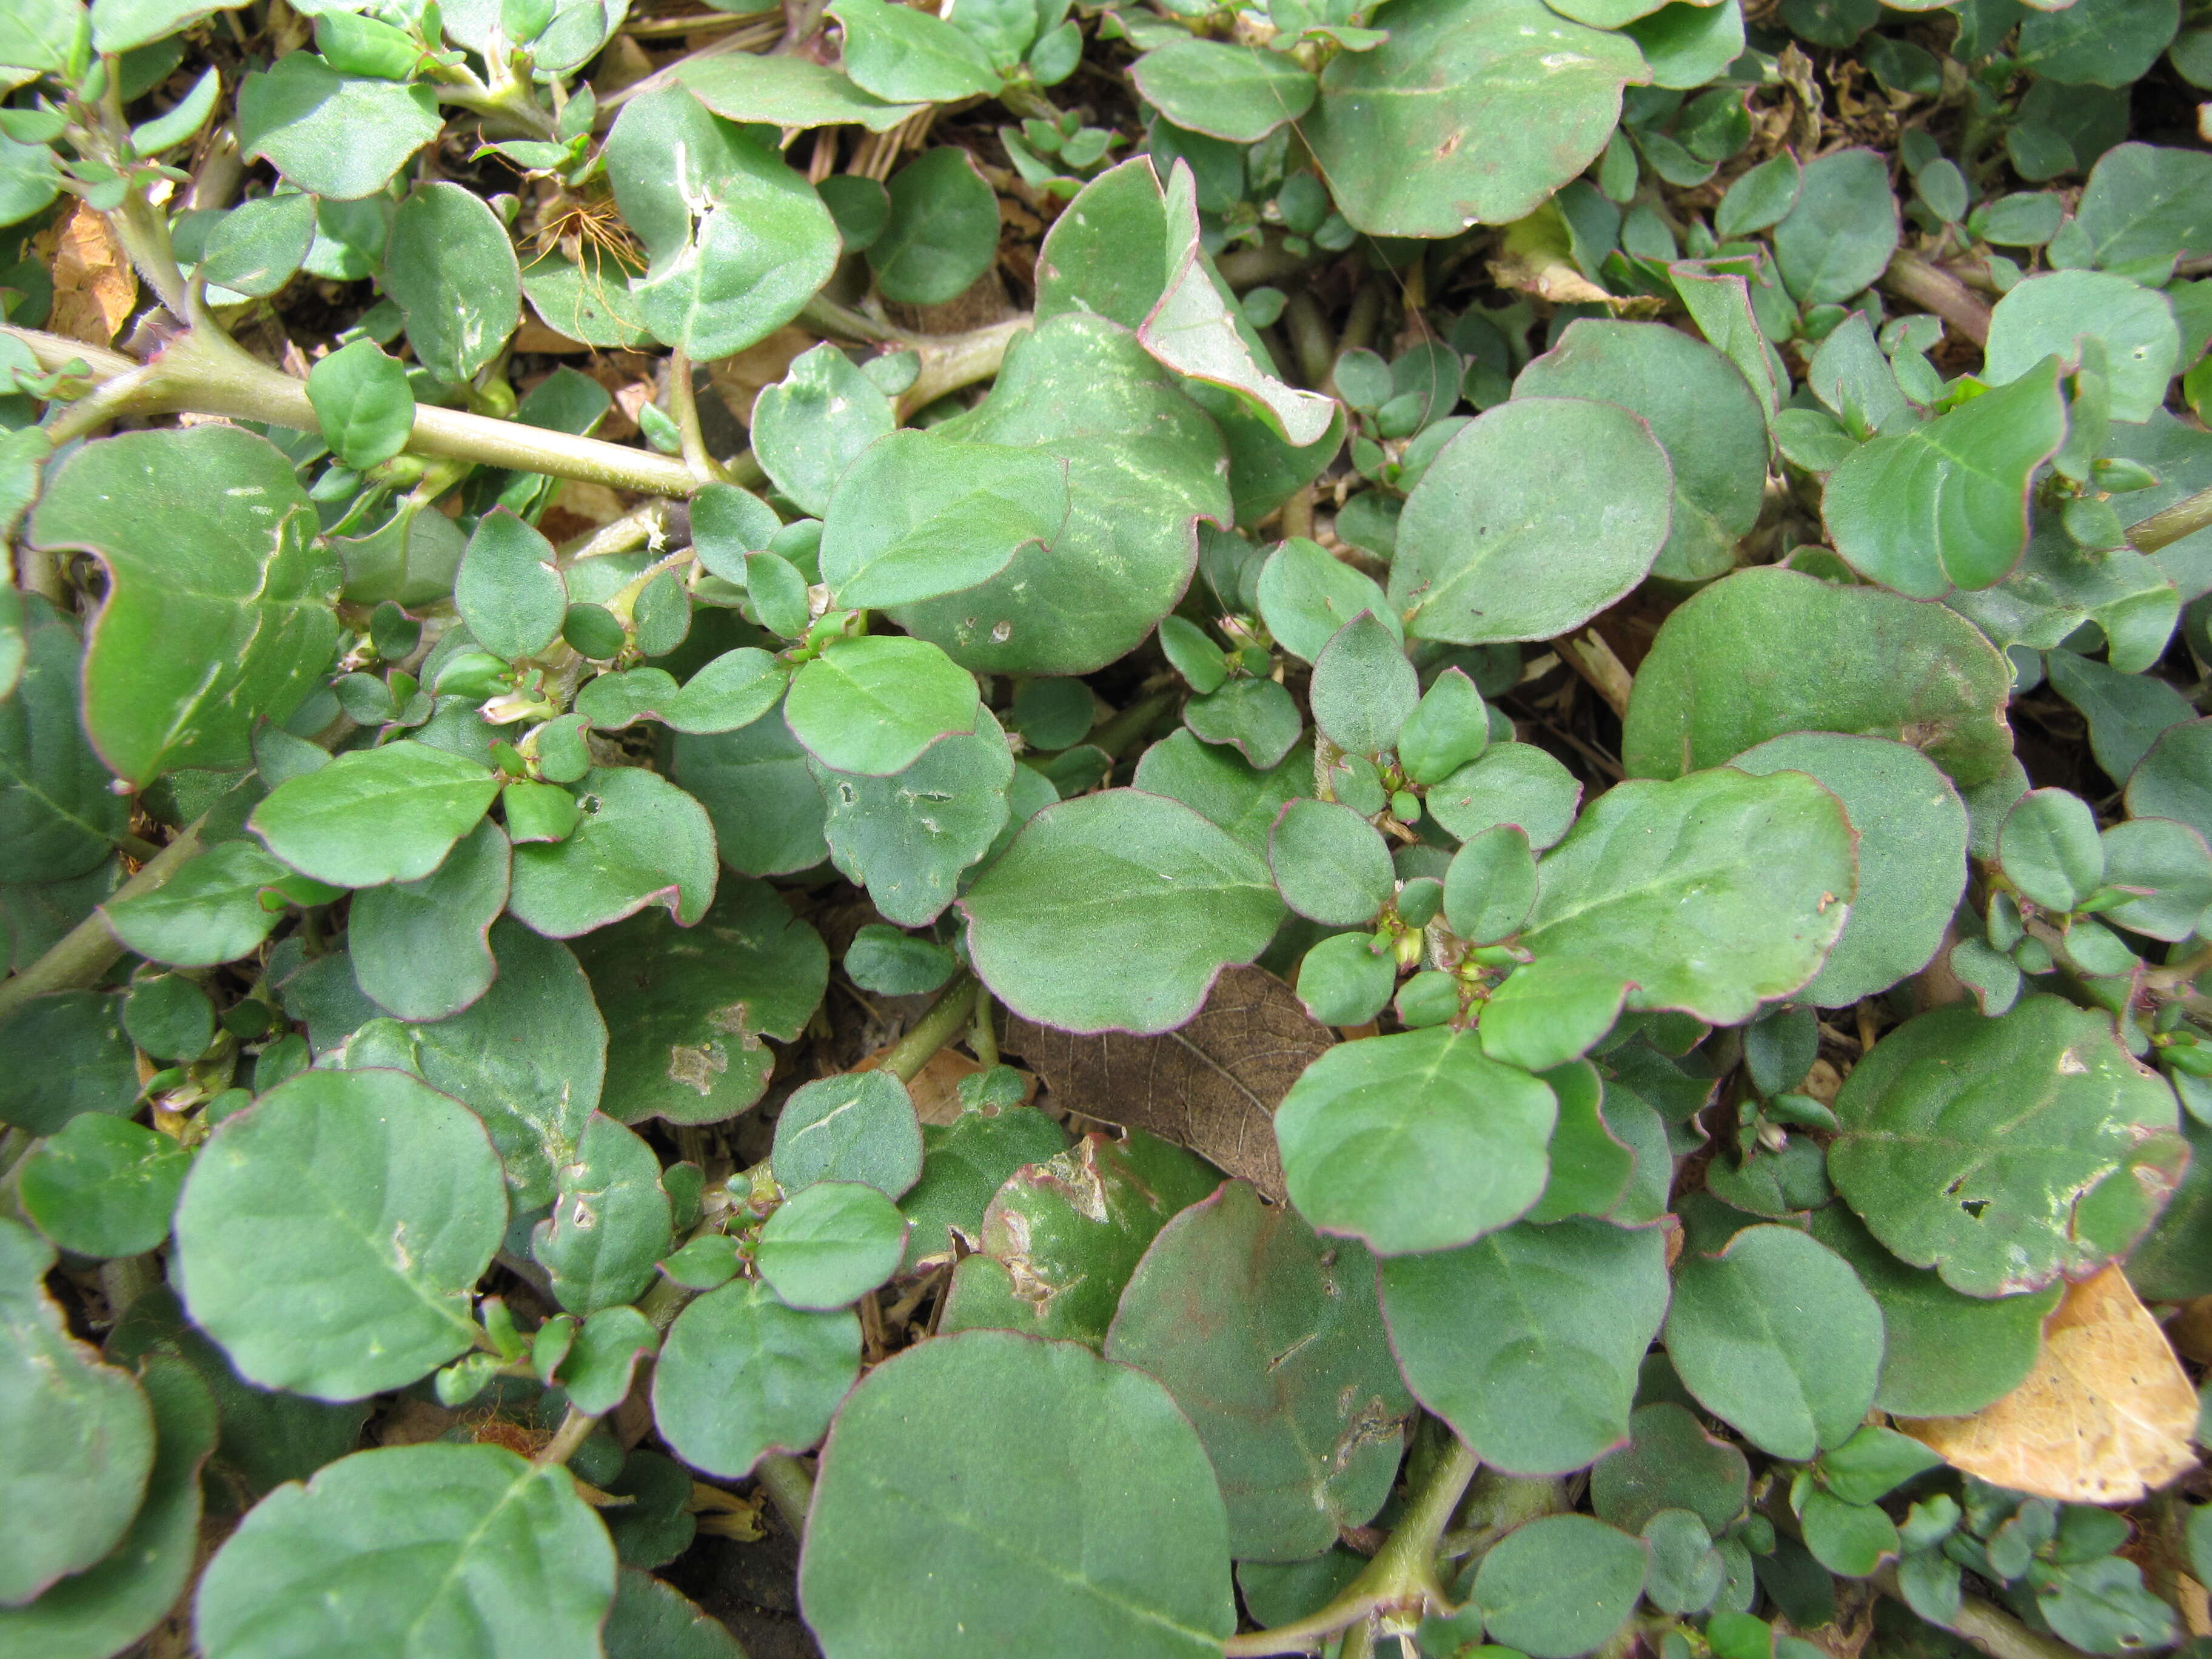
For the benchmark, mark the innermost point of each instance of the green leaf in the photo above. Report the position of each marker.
(811, 425)
(103, 1187)
(911, 56)
(1272, 1347)
(642, 842)
(1670, 1462)
(1655, 876)
(1837, 237)
(1513, 783)
(2145, 204)
(2126, 712)
(218, 609)
(739, 242)
(688, 1009)
(1143, 464)
(404, 1214)
(57, 817)
(363, 403)
(1685, 1572)
(386, 1547)
(943, 232)
(920, 515)
(1863, 661)
(830, 1243)
(1698, 409)
(1306, 594)
(1558, 1586)
(209, 912)
(1115, 911)
(785, 91)
(1478, 544)
(256, 247)
(1230, 92)
(1491, 886)
(733, 690)
(338, 137)
(969, 1467)
(609, 1222)
(1414, 1142)
(509, 590)
(1474, 112)
(2103, 1606)
(756, 787)
(1197, 328)
(2170, 781)
(2111, 43)
(1948, 502)
(1850, 1539)
(1363, 689)
(1330, 864)
(599, 1366)
(2051, 314)
(111, 1605)
(1255, 717)
(651, 1620)
(742, 1375)
(2004, 1153)
(2169, 865)
(374, 815)
(1910, 829)
(421, 949)
(1061, 1239)
(873, 705)
(964, 1164)
(527, 1057)
(1220, 787)
(76, 1438)
(1550, 1013)
(1527, 1342)
(909, 837)
(1777, 1337)
(66, 1053)
(858, 1127)
(2048, 849)
(1686, 45)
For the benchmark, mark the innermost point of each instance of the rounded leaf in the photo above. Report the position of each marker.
(376, 1199)
(1115, 911)
(991, 1492)
(830, 1244)
(1330, 864)
(2006, 1152)
(742, 1375)
(470, 1550)
(1478, 545)
(1558, 1586)
(1415, 1141)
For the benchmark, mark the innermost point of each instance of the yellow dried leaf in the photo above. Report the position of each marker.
(95, 287)
(2105, 1416)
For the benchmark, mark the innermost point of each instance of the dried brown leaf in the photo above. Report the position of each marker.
(95, 287)
(1212, 1086)
(2105, 1416)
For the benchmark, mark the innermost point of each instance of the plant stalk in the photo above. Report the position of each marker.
(788, 1486)
(2170, 524)
(1911, 277)
(1402, 1574)
(81, 956)
(943, 1023)
(574, 1430)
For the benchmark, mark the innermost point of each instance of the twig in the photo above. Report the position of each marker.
(683, 405)
(788, 1486)
(81, 956)
(1910, 277)
(2169, 524)
(574, 1430)
(932, 1030)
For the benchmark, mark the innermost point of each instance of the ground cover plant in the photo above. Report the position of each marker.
(1104, 830)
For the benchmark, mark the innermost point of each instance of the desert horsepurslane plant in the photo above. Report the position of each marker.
(1327, 828)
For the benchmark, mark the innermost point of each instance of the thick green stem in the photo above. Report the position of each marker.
(574, 1430)
(1402, 1576)
(683, 405)
(949, 362)
(2169, 524)
(788, 1486)
(943, 1023)
(1912, 278)
(204, 372)
(81, 956)
(1131, 723)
